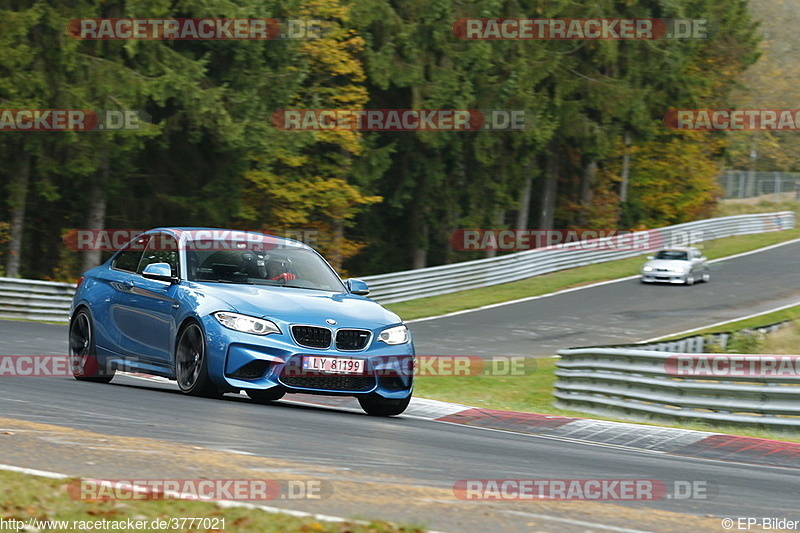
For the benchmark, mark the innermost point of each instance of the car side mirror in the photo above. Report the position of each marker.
(356, 286)
(159, 272)
(650, 257)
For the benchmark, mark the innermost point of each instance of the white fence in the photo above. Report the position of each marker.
(770, 185)
(42, 300)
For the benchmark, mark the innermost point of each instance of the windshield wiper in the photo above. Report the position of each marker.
(224, 281)
(307, 288)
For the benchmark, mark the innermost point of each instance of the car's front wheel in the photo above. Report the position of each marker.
(689, 279)
(266, 396)
(82, 352)
(191, 363)
(376, 405)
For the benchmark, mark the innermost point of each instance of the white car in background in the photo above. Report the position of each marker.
(676, 265)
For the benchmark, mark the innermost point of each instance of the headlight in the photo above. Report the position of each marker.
(395, 335)
(647, 269)
(246, 324)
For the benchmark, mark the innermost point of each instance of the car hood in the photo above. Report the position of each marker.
(302, 305)
(671, 264)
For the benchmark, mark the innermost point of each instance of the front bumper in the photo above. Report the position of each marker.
(239, 361)
(663, 277)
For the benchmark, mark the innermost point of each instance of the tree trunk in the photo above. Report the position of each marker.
(17, 197)
(587, 192)
(96, 220)
(626, 169)
(751, 176)
(549, 190)
(418, 223)
(499, 219)
(419, 231)
(523, 211)
(335, 255)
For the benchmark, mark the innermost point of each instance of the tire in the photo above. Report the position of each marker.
(191, 363)
(690, 280)
(266, 396)
(83, 352)
(376, 405)
(706, 276)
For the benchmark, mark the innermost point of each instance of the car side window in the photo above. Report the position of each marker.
(130, 256)
(162, 248)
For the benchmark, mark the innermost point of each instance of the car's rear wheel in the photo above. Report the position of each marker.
(376, 405)
(82, 350)
(266, 396)
(191, 363)
(706, 276)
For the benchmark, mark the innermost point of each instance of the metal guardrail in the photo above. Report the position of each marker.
(35, 300)
(639, 383)
(44, 300)
(434, 281)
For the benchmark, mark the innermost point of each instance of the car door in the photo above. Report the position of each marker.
(697, 263)
(144, 313)
(107, 291)
(702, 262)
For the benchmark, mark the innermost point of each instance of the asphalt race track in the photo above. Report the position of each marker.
(404, 469)
(415, 454)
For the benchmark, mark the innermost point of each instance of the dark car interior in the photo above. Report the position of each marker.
(674, 255)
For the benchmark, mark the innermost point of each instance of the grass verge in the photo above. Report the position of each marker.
(790, 313)
(565, 279)
(27, 498)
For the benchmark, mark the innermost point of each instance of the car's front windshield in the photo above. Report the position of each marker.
(285, 266)
(672, 255)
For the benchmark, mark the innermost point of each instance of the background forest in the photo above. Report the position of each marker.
(596, 155)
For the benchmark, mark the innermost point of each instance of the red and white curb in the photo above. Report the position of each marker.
(673, 441)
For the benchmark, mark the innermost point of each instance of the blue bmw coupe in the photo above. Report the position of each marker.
(225, 311)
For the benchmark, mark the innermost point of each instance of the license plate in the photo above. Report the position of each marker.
(338, 365)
